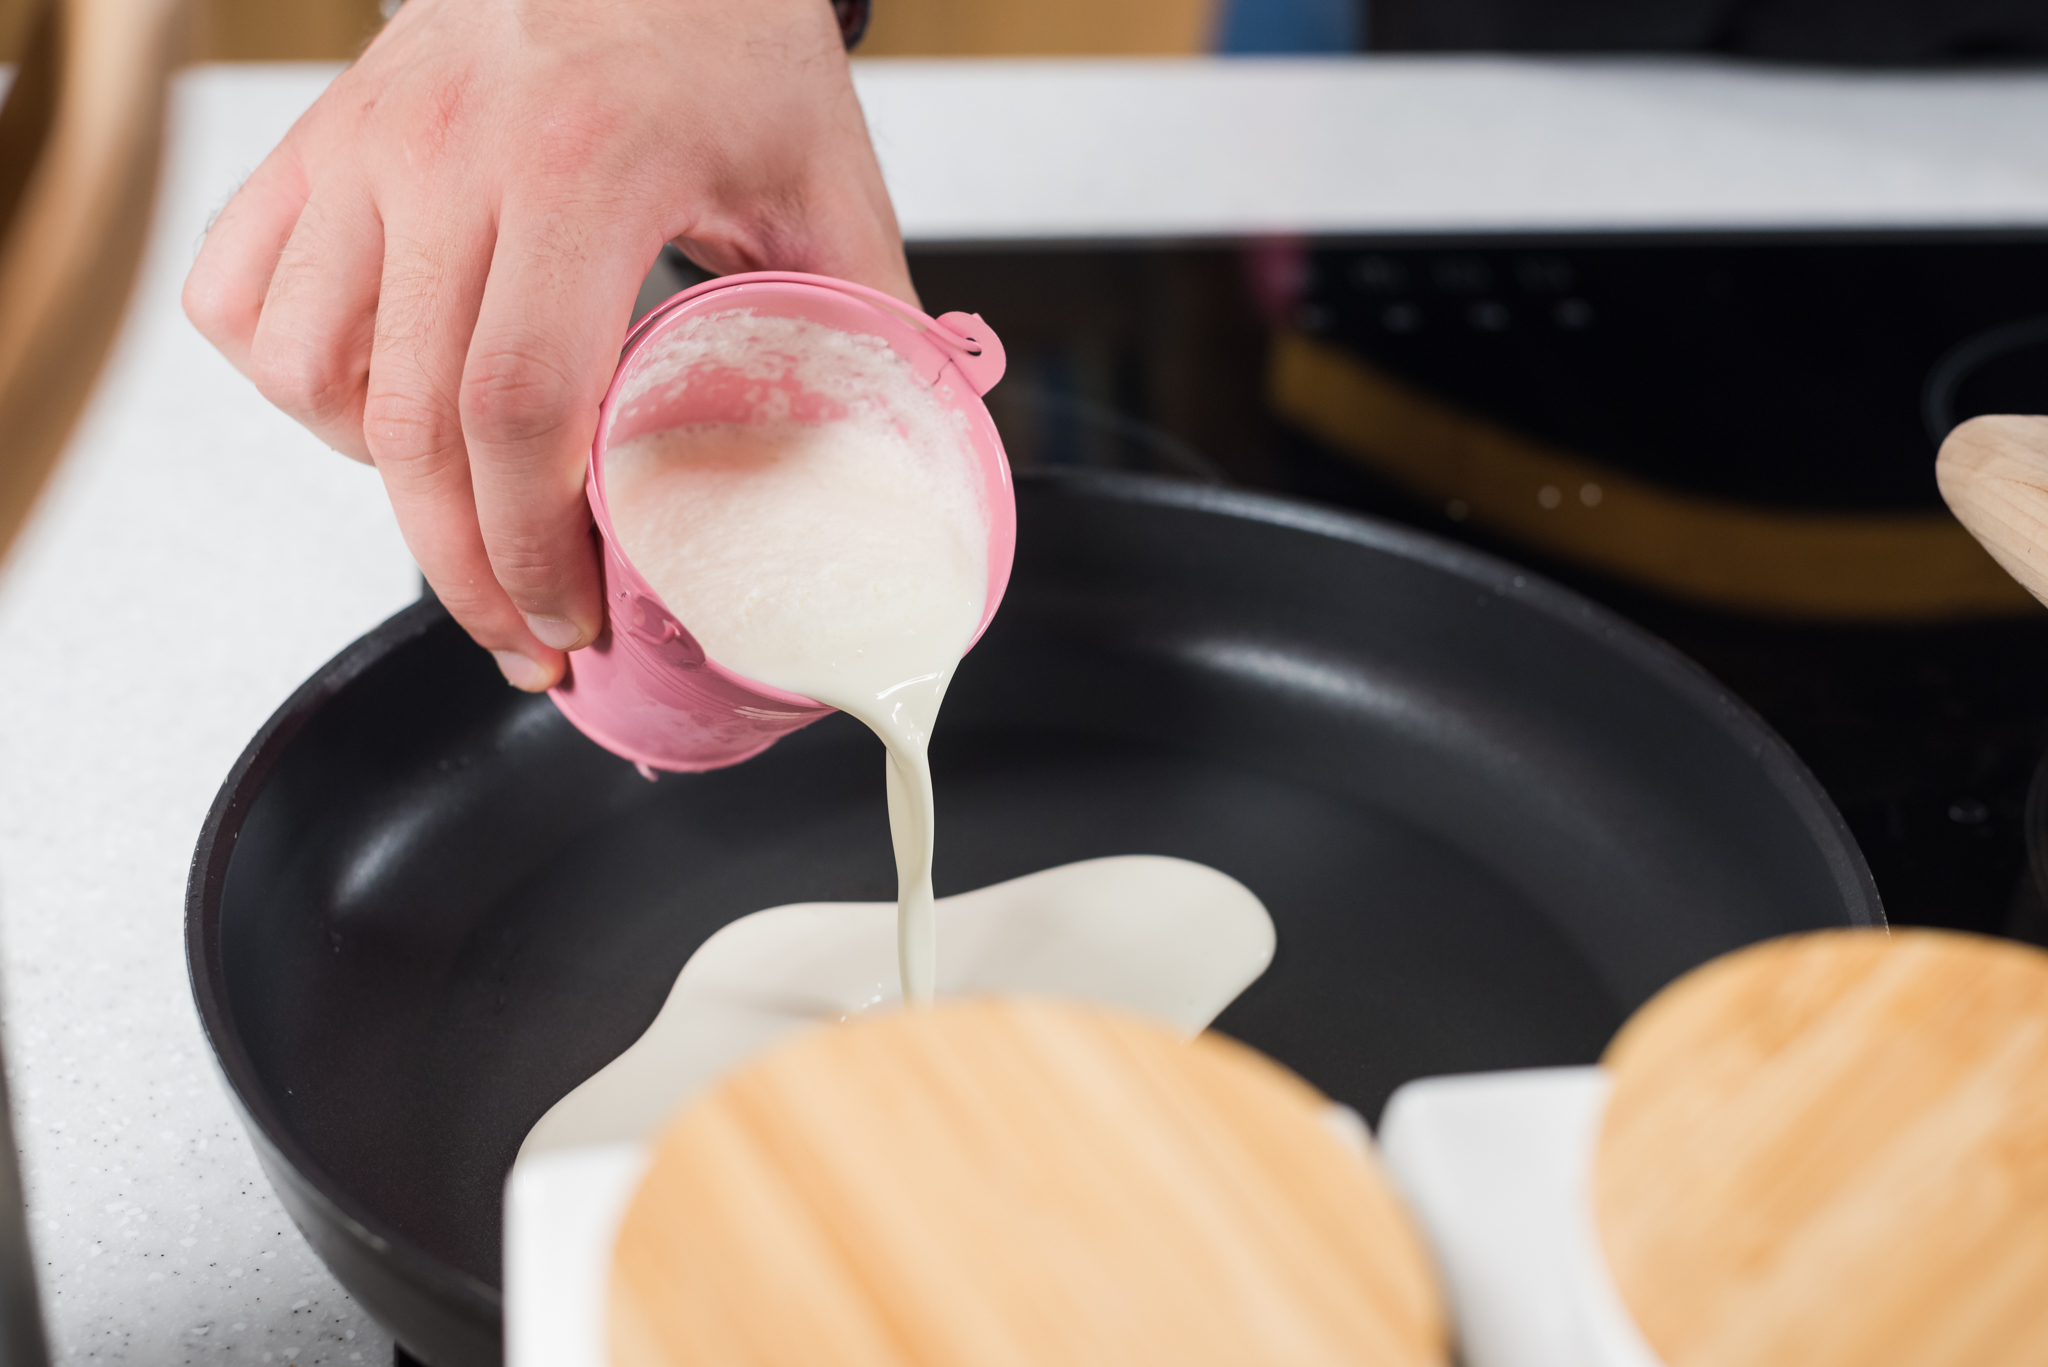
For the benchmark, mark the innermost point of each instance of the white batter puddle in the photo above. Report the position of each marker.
(1165, 937)
(1172, 939)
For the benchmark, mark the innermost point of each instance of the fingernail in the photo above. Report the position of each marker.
(556, 633)
(519, 671)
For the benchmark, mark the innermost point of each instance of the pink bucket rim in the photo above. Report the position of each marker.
(969, 345)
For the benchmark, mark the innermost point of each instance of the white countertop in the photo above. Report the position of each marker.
(199, 555)
(1177, 148)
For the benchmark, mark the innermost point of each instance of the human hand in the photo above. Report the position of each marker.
(435, 270)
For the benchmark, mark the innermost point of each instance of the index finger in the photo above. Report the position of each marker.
(433, 278)
(554, 313)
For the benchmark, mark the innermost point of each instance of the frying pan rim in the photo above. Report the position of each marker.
(204, 887)
(1735, 718)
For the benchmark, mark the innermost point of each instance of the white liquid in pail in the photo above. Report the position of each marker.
(843, 558)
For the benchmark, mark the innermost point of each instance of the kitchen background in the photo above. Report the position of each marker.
(1728, 441)
(1876, 31)
(1725, 437)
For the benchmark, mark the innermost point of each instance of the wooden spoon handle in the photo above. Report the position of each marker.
(1994, 473)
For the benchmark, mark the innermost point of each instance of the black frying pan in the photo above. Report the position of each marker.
(1489, 819)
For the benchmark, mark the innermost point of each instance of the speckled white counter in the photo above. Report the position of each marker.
(199, 555)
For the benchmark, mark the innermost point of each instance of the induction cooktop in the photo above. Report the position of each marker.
(1728, 440)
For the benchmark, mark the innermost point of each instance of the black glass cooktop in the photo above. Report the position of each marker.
(1775, 385)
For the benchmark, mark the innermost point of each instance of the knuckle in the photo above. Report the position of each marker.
(214, 307)
(526, 562)
(305, 382)
(512, 397)
(480, 607)
(406, 434)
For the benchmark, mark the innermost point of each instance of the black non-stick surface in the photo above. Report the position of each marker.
(1488, 819)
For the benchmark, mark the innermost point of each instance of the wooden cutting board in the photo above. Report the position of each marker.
(1832, 1151)
(1011, 1182)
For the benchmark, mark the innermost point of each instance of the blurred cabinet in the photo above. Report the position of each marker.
(1040, 28)
(284, 30)
(335, 30)
(246, 30)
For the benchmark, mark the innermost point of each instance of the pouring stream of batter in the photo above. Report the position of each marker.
(841, 557)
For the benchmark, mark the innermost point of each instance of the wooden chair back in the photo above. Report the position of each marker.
(81, 141)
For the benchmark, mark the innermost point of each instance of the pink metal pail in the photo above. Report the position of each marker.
(645, 689)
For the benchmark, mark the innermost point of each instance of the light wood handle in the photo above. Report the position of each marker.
(1009, 1183)
(1994, 474)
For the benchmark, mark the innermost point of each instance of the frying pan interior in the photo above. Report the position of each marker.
(1489, 820)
